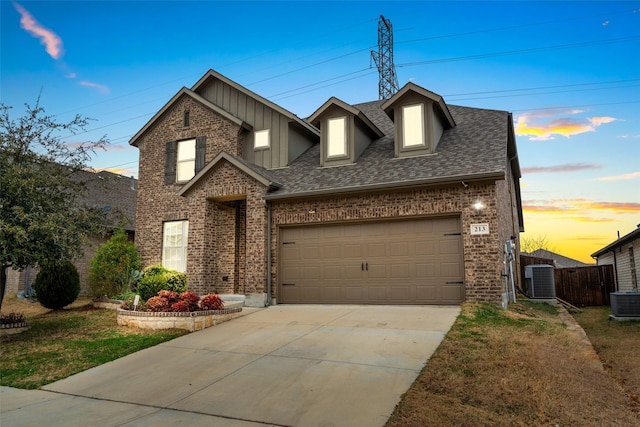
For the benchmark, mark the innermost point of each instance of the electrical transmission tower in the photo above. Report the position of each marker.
(388, 82)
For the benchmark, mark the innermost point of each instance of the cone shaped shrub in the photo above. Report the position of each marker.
(57, 285)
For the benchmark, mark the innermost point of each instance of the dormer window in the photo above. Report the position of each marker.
(413, 126)
(261, 139)
(186, 160)
(337, 137)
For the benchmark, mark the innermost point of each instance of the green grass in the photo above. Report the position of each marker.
(63, 343)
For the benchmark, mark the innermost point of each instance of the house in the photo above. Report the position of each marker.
(621, 254)
(400, 201)
(115, 196)
(559, 261)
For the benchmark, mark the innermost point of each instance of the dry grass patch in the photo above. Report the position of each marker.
(519, 367)
(64, 342)
(617, 345)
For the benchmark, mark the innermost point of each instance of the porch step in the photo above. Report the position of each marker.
(232, 300)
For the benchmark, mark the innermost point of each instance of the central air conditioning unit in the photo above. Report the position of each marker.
(539, 281)
(625, 303)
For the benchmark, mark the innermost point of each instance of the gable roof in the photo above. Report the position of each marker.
(560, 261)
(476, 149)
(627, 238)
(388, 105)
(255, 172)
(187, 92)
(333, 101)
(288, 114)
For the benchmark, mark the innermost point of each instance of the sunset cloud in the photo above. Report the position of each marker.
(544, 125)
(51, 41)
(632, 175)
(98, 86)
(568, 167)
(575, 209)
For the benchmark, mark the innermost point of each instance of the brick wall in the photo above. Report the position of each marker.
(482, 254)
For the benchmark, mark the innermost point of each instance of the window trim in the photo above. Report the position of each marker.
(345, 139)
(268, 139)
(184, 243)
(180, 161)
(405, 127)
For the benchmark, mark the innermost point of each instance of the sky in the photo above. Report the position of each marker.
(568, 71)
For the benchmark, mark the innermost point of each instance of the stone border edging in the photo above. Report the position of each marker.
(190, 321)
(575, 327)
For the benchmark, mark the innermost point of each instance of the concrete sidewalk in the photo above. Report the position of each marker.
(288, 365)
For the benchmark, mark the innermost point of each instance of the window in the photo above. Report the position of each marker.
(337, 137)
(186, 164)
(261, 139)
(174, 245)
(185, 121)
(412, 126)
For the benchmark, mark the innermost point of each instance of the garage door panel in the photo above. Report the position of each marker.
(393, 262)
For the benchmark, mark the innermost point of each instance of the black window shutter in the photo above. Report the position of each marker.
(170, 159)
(201, 148)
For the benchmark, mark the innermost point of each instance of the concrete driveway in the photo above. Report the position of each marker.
(287, 365)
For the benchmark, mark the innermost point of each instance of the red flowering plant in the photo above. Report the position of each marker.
(211, 302)
(171, 296)
(191, 299)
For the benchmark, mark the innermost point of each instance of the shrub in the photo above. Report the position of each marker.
(57, 285)
(114, 268)
(157, 304)
(170, 296)
(180, 306)
(191, 299)
(157, 278)
(211, 302)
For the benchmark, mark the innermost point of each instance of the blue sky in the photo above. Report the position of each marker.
(569, 72)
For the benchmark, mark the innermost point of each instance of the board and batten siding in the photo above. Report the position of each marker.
(260, 117)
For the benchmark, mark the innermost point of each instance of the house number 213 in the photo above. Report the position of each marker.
(479, 229)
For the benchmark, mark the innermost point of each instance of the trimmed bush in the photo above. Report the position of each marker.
(191, 299)
(157, 278)
(115, 267)
(180, 306)
(211, 302)
(57, 285)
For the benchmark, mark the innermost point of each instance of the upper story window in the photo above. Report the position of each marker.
(261, 139)
(186, 160)
(337, 137)
(185, 119)
(413, 126)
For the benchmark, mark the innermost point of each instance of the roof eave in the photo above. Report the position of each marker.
(390, 185)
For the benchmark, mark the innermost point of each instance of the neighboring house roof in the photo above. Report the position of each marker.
(114, 194)
(256, 172)
(187, 92)
(635, 234)
(560, 261)
(473, 150)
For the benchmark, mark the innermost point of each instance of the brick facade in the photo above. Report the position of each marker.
(227, 208)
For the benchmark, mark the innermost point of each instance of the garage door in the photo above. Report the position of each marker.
(391, 262)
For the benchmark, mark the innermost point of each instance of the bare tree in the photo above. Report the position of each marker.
(532, 243)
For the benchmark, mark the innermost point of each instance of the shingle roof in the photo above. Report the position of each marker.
(114, 194)
(475, 148)
(561, 261)
(635, 234)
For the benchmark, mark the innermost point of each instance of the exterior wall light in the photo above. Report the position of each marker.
(478, 206)
(312, 211)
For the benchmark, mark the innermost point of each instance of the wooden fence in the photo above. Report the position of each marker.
(580, 286)
(585, 286)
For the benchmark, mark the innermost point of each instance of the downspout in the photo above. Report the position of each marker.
(268, 251)
(615, 269)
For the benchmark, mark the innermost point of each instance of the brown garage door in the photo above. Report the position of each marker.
(391, 262)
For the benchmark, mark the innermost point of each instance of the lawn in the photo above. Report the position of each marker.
(64, 342)
(520, 367)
